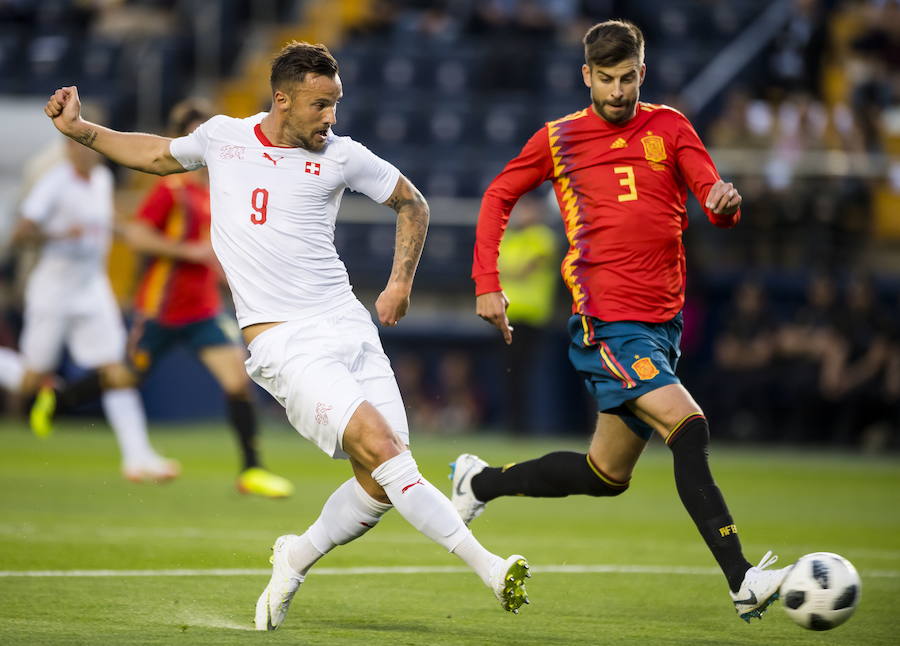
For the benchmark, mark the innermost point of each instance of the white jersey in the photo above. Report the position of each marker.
(273, 214)
(60, 202)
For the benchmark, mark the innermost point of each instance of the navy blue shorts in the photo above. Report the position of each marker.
(622, 360)
(151, 339)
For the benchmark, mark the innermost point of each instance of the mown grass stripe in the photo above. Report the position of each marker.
(401, 569)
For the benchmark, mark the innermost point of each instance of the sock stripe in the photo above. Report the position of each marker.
(605, 478)
(680, 426)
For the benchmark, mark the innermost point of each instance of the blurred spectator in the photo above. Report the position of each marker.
(459, 406)
(529, 266)
(807, 341)
(411, 379)
(855, 377)
(742, 357)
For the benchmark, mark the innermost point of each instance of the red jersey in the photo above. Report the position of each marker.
(172, 291)
(622, 192)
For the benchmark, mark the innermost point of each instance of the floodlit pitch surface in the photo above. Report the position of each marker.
(87, 558)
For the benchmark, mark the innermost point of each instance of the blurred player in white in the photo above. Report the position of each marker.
(69, 302)
(276, 183)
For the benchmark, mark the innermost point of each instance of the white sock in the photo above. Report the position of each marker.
(347, 514)
(125, 413)
(477, 557)
(11, 369)
(430, 511)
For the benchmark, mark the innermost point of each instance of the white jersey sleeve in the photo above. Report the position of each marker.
(38, 204)
(190, 150)
(367, 173)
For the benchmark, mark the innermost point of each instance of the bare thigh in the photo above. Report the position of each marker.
(664, 408)
(615, 448)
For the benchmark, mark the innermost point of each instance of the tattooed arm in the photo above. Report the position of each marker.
(148, 153)
(412, 224)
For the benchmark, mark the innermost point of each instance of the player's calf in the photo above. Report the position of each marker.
(555, 475)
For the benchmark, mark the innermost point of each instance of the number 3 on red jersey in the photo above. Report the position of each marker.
(259, 201)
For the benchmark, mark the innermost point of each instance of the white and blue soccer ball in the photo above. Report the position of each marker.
(821, 591)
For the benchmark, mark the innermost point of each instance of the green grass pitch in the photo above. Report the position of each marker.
(64, 508)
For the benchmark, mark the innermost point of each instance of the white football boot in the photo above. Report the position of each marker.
(508, 582)
(759, 588)
(273, 603)
(466, 467)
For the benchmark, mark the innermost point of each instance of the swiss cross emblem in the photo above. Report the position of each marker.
(314, 168)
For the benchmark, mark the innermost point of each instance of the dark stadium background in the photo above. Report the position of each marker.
(797, 101)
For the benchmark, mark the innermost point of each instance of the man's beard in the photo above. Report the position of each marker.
(619, 116)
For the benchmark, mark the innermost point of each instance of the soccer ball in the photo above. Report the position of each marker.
(821, 591)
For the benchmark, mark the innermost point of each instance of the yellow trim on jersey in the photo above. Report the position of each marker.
(569, 205)
(162, 267)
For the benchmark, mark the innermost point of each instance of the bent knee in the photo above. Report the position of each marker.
(607, 489)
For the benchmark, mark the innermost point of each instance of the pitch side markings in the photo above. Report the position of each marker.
(354, 571)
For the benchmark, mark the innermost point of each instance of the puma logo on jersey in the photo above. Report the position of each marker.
(272, 159)
(313, 168)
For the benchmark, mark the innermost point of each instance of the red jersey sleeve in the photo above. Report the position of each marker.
(528, 170)
(155, 208)
(698, 170)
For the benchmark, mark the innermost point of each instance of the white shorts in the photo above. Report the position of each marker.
(89, 326)
(322, 369)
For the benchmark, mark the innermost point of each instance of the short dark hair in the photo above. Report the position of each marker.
(611, 42)
(297, 59)
(186, 112)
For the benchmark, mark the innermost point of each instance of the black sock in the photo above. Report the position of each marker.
(81, 391)
(702, 499)
(551, 476)
(243, 421)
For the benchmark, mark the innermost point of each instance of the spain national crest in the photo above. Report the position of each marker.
(644, 369)
(654, 148)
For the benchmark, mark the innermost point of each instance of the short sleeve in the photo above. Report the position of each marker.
(190, 150)
(154, 210)
(38, 205)
(367, 173)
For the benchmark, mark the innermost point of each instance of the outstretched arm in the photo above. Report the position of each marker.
(412, 225)
(148, 153)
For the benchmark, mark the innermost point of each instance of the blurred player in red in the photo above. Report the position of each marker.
(178, 301)
(621, 170)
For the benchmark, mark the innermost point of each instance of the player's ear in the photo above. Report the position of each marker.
(643, 73)
(586, 74)
(281, 100)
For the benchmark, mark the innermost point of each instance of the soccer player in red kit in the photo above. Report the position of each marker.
(621, 169)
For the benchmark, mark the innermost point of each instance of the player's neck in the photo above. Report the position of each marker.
(272, 128)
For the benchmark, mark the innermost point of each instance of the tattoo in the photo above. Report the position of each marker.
(412, 225)
(87, 138)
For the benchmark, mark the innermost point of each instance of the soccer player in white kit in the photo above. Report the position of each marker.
(276, 183)
(69, 302)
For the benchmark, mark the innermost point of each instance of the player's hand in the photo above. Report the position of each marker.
(64, 108)
(723, 198)
(492, 308)
(393, 303)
